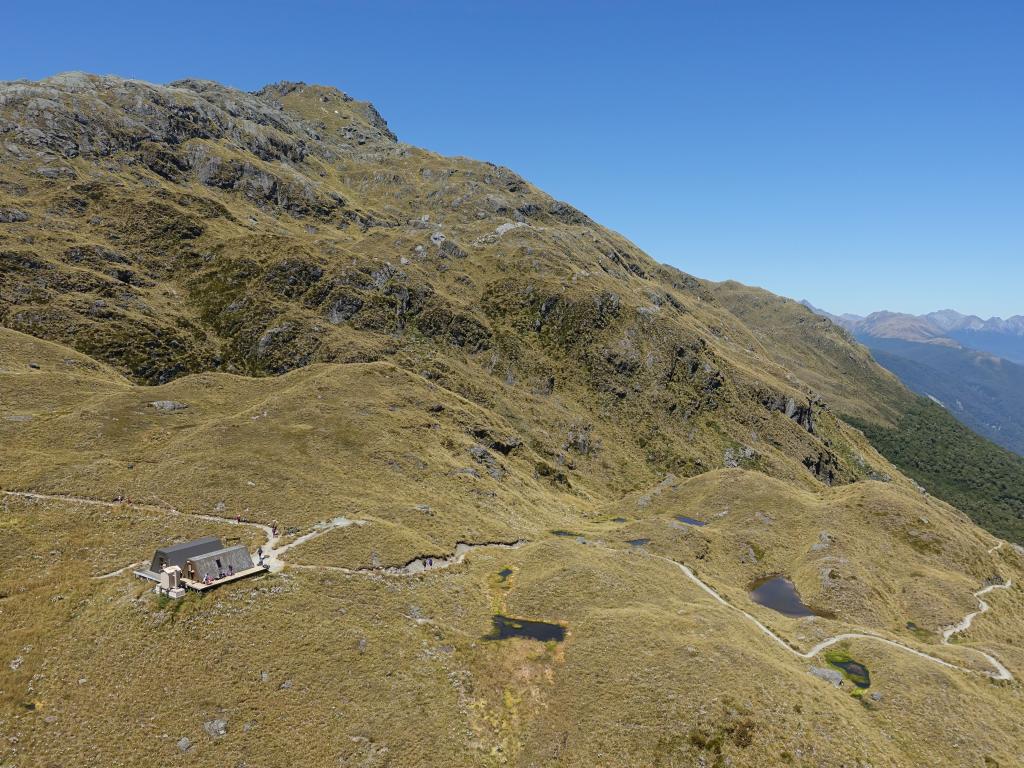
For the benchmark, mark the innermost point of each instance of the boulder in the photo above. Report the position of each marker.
(216, 728)
(12, 215)
(168, 405)
(828, 675)
(56, 172)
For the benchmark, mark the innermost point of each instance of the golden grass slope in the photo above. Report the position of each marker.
(325, 669)
(328, 668)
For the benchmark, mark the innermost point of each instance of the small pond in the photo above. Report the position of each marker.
(689, 520)
(638, 542)
(560, 532)
(855, 672)
(504, 573)
(618, 519)
(779, 594)
(506, 627)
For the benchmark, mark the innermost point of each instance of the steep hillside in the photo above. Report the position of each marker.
(986, 393)
(920, 437)
(185, 229)
(524, 480)
(954, 463)
(1007, 346)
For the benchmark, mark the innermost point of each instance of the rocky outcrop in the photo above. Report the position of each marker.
(801, 413)
(824, 465)
(76, 114)
(12, 215)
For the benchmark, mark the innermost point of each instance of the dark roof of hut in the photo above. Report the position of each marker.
(178, 554)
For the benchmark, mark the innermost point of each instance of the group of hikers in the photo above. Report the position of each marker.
(208, 578)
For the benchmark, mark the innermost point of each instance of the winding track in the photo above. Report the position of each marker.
(1000, 673)
(272, 557)
(420, 564)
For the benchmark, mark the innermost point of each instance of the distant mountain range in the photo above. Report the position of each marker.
(972, 367)
(1003, 338)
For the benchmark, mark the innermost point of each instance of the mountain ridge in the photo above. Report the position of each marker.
(935, 359)
(998, 336)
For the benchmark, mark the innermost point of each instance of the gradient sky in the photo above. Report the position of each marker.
(861, 154)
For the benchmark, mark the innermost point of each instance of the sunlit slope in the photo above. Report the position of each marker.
(328, 668)
(271, 231)
(917, 435)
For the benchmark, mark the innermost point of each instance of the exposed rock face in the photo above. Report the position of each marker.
(801, 414)
(12, 215)
(76, 114)
(824, 466)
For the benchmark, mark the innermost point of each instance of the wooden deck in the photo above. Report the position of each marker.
(198, 586)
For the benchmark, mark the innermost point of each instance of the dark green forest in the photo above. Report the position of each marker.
(956, 465)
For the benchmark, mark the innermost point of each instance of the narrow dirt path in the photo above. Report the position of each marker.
(420, 564)
(1000, 673)
(121, 570)
(272, 553)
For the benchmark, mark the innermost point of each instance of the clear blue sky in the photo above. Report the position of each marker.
(863, 154)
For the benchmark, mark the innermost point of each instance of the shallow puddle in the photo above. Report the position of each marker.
(638, 542)
(689, 520)
(855, 672)
(506, 627)
(504, 573)
(560, 532)
(779, 594)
